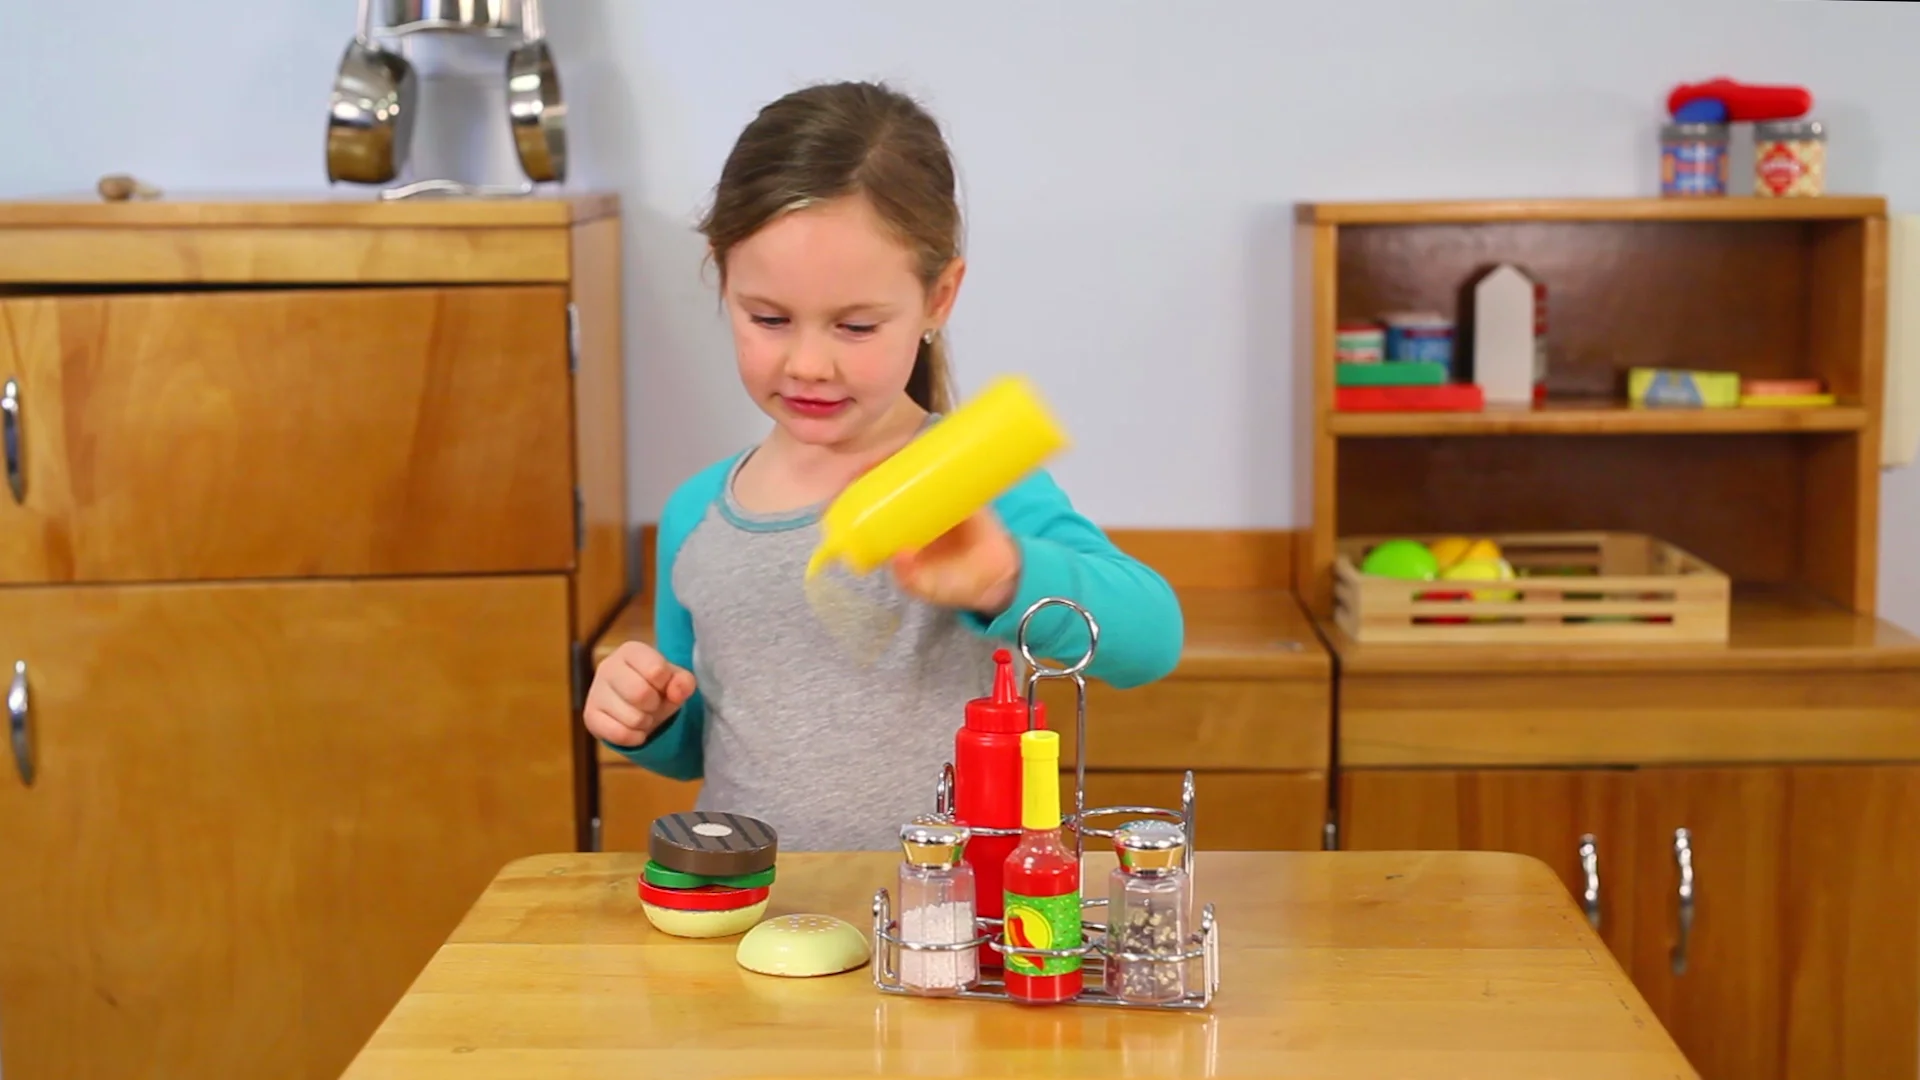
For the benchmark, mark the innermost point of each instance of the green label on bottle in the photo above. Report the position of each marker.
(1043, 922)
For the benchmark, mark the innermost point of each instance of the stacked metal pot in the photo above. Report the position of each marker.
(375, 95)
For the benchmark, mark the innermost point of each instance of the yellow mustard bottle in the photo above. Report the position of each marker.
(947, 474)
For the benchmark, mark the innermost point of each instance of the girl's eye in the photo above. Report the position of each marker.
(859, 328)
(773, 321)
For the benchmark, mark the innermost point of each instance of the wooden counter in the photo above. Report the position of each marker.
(1800, 681)
(1333, 965)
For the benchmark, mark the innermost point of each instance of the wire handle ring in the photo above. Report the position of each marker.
(1039, 671)
(1026, 650)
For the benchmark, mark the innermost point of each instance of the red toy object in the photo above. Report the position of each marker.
(704, 898)
(1443, 620)
(1453, 397)
(986, 781)
(1745, 101)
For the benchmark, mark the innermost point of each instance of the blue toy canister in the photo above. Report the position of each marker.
(1693, 159)
(1420, 336)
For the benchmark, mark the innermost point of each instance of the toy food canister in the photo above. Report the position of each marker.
(940, 479)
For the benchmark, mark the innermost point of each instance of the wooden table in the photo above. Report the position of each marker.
(1334, 964)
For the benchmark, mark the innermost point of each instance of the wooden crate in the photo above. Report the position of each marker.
(1595, 587)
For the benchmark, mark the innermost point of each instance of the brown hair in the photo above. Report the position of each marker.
(837, 139)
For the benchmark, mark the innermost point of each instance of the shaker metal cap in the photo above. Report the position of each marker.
(934, 840)
(1151, 846)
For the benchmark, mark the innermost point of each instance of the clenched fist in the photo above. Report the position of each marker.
(634, 690)
(975, 566)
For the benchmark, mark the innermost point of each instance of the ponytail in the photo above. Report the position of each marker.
(930, 383)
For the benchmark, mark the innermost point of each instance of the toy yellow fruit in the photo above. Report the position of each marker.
(1449, 550)
(1483, 551)
(1483, 570)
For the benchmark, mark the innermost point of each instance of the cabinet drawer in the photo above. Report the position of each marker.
(1232, 811)
(262, 434)
(1200, 722)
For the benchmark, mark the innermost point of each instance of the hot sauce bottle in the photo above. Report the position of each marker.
(1042, 882)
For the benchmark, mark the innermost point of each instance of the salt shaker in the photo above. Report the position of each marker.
(1148, 898)
(936, 908)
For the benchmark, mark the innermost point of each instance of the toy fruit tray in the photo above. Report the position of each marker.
(1594, 587)
(1198, 956)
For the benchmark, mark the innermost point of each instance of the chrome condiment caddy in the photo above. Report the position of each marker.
(1202, 947)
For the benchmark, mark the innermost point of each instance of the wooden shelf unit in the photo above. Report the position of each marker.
(1769, 288)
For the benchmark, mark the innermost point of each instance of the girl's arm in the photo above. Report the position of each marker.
(677, 748)
(1063, 554)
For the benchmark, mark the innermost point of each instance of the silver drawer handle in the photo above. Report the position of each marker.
(18, 719)
(1590, 866)
(10, 439)
(1683, 859)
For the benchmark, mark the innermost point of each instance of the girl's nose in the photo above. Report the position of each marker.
(811, 359)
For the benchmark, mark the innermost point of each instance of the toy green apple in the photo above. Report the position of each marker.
(1407, 560)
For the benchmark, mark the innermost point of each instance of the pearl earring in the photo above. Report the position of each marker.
(927, 337)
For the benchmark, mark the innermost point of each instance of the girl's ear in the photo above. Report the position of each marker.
(945, 290)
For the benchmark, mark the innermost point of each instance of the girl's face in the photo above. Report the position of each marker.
(827, 313)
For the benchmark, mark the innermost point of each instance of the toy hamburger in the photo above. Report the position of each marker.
(707, 874)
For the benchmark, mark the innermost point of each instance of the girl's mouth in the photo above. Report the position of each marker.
(813, 407)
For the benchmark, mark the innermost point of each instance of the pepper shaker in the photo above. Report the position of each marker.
(937, 907)
(1148, 899)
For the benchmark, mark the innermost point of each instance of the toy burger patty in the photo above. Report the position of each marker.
(712, 845)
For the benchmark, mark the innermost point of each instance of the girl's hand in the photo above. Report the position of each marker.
(633, 692)
(974, 567)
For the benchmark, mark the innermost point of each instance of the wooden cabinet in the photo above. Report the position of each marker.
(1791, 757)
(1577, 821)
(1766, 913)
(316, 519)
(256, 809)
(1784, 751)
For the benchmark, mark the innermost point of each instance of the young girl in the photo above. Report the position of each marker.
(836, 234)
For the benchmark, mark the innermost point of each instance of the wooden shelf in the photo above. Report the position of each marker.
(1773, 629)
(1598, 418)
(1764, 288)
(341, 209)
(1731, 208)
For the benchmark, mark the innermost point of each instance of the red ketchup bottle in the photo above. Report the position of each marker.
(1042, 882)
(986, 781)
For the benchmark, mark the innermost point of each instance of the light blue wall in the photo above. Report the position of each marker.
(1127, 167)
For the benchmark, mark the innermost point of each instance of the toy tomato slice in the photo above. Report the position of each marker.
(705, 898)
